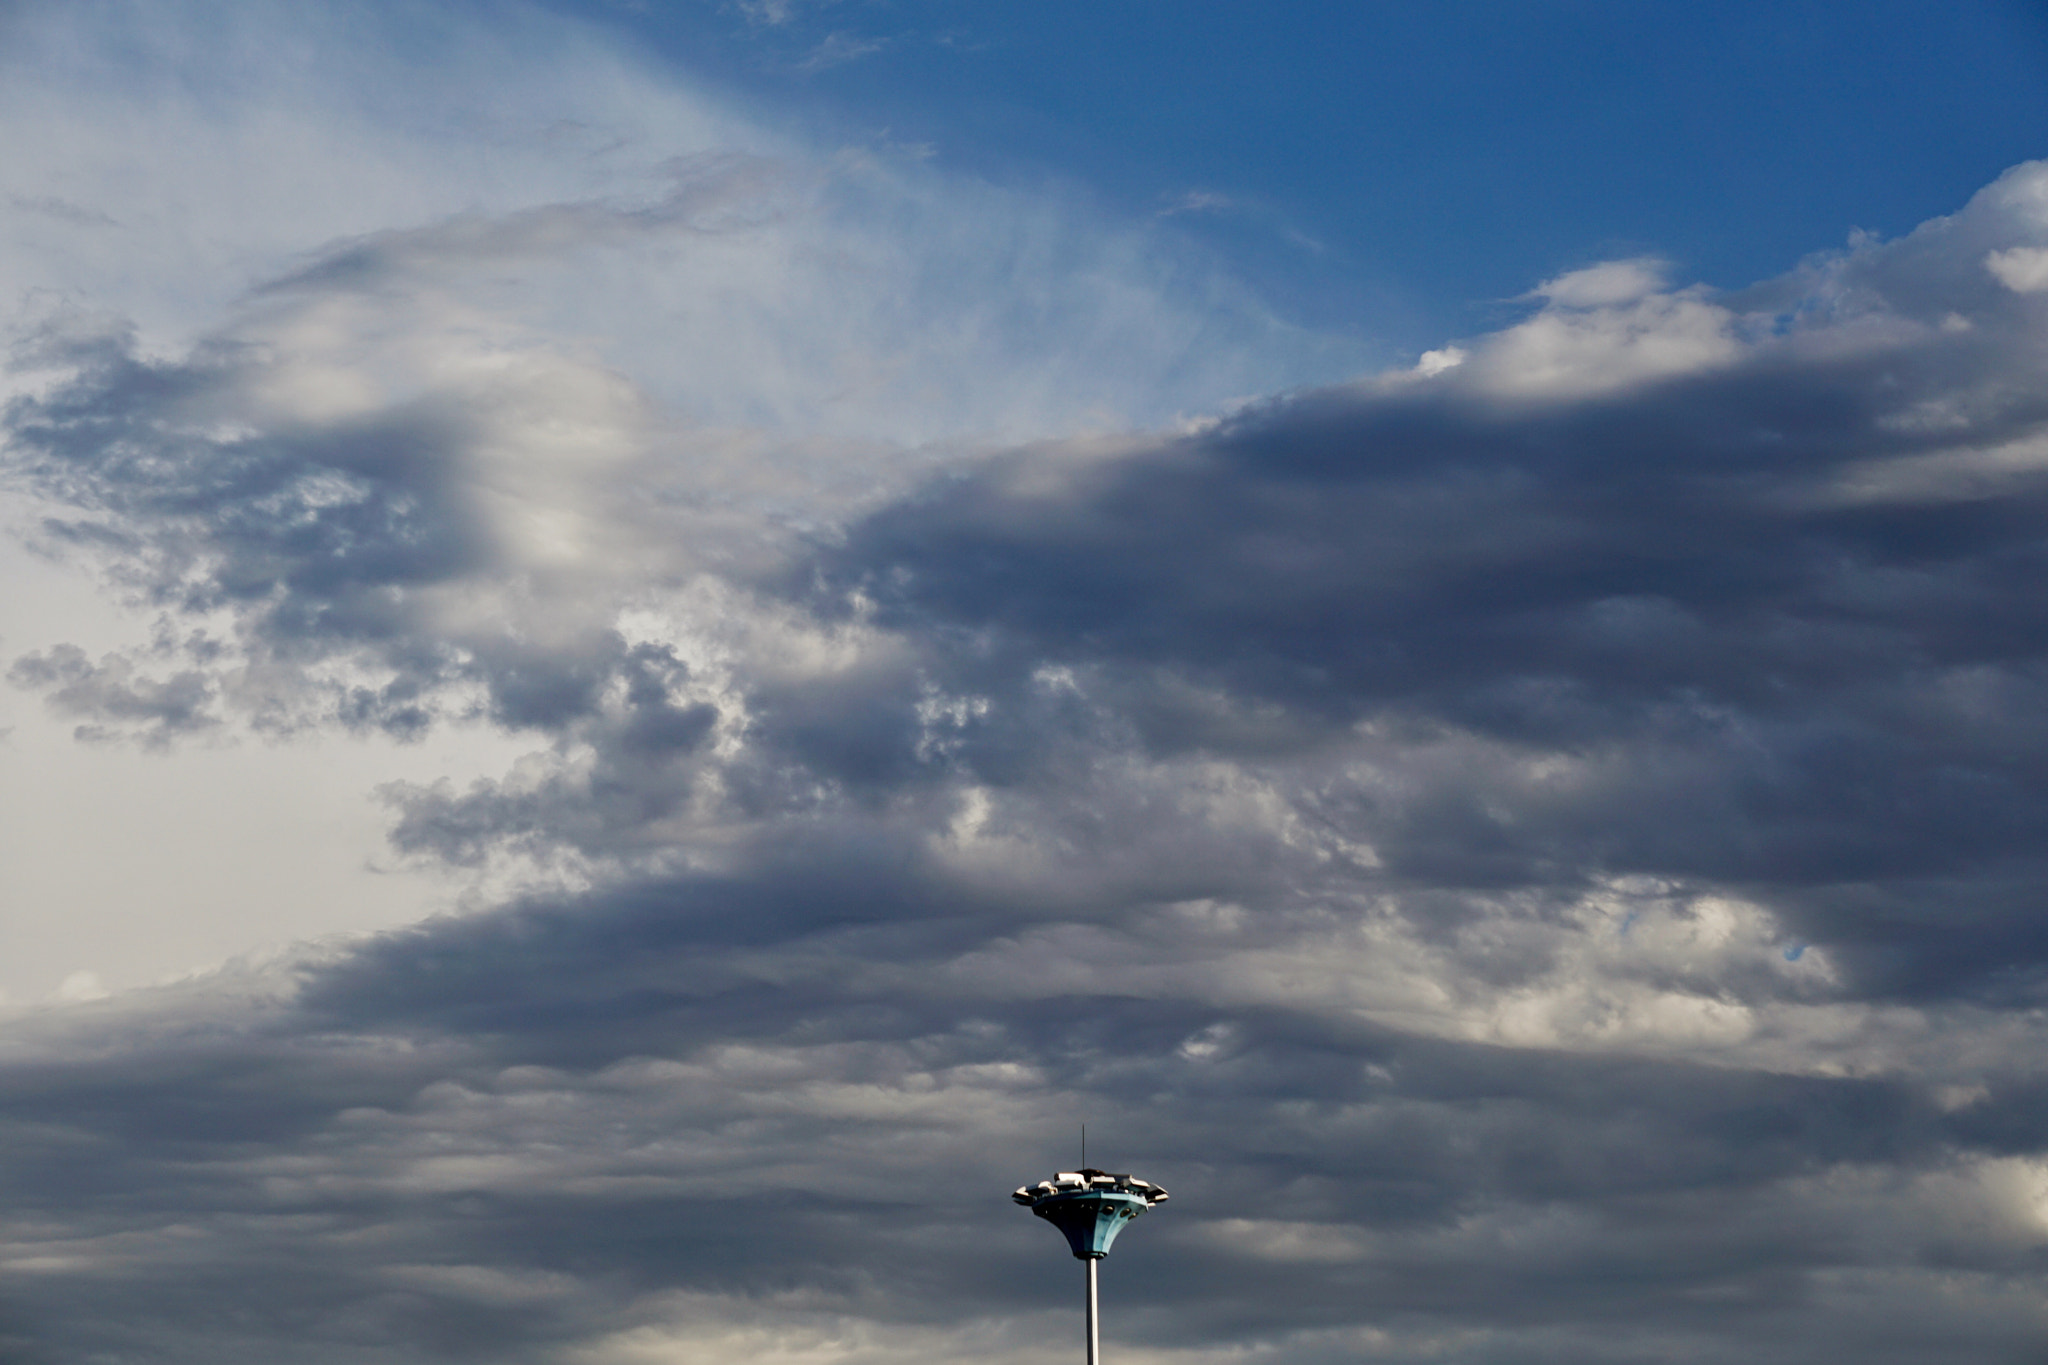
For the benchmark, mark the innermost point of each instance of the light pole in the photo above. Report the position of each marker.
(1091, 1207)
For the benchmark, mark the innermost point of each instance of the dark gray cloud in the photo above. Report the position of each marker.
(503, 1137)
(1773, 626)
(110, 692)
(1539, 854)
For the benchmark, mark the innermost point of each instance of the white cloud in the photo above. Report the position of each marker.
(1605, 285)
(81, 986)
(1603, 329)
(1437, 361)
(668, 338)
(2022, 269)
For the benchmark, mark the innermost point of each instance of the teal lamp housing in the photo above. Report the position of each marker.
(1090, 1207)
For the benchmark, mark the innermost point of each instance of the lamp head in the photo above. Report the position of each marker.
(1090, 1207)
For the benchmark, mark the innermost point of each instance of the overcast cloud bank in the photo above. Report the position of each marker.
(1539, 851)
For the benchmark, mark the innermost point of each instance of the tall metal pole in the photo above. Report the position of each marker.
(1089, 1207)
(1094, 1340)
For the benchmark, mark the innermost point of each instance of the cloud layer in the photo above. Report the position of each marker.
(1539, 851)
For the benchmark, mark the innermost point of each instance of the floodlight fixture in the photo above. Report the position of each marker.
(1090, 1208)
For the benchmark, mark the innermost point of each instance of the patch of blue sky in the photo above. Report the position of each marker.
(1400, 172)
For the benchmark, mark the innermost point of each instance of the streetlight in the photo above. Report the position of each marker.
(1091, 1207)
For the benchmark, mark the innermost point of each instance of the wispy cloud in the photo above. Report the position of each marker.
(837, 49)
(63, 210)
(1196, 201)
(775, 13)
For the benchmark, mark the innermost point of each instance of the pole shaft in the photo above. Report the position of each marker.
(1094, 1338)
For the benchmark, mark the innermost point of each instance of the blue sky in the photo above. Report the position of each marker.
(1395, 171)
(647, 648)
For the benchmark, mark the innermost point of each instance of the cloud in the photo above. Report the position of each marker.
(772, 13)
(2024, 270)
(1609, 326)
(110, 691)
(1638, 627)
(479, 1130)
(1538, 851)
(403, 470)
(62, 210)
(1605, 285)
(837, 49)
(1196, 201)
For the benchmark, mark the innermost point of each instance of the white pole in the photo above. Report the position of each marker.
(1094, 1341)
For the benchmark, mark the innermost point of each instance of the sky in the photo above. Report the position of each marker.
(649, 647)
